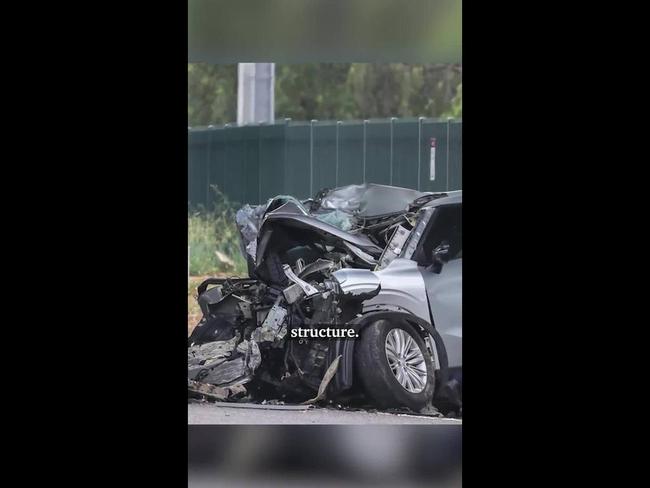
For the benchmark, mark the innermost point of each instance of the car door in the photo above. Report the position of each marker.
(445, 294)
(444, 288)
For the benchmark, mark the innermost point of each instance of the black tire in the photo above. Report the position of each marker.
(374, 372)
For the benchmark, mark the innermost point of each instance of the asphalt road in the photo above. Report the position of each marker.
(205, 413)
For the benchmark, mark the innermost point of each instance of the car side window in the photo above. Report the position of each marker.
(445, 227)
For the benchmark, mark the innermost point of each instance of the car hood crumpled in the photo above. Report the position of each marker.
(337, 214)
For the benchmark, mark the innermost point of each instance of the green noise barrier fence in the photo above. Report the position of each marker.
(251, 163)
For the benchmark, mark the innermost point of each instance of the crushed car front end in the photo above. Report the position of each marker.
(331, 293)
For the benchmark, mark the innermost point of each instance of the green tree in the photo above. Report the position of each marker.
(313, 91)
(212, 93)
(456, 110)
(329, 91)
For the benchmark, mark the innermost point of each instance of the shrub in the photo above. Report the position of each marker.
(213, 238)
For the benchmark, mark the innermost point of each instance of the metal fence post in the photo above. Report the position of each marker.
(311, 157)
(259, 167)
(207, 166)
(189, 168)
(392, 124)
(338, 125)
(225, 149)
(365, 125)
(284, 163)
(448, 127)
(420, 119)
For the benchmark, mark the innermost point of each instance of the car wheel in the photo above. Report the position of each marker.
(394, 365)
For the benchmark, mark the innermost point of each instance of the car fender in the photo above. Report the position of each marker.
(343, 380)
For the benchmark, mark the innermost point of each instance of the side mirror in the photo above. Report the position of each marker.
(440, 256)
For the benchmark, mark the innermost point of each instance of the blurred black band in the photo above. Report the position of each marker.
(223, 31)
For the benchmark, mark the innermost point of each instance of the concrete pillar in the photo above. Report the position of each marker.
(255, 93)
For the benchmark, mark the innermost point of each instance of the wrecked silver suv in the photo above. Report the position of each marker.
(382, 262)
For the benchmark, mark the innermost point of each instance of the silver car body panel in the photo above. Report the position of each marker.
(413, 289)
(449, 198)
(445, 294)
(402, 287)
(357, 282)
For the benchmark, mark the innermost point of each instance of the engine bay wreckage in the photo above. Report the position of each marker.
(318, 272)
